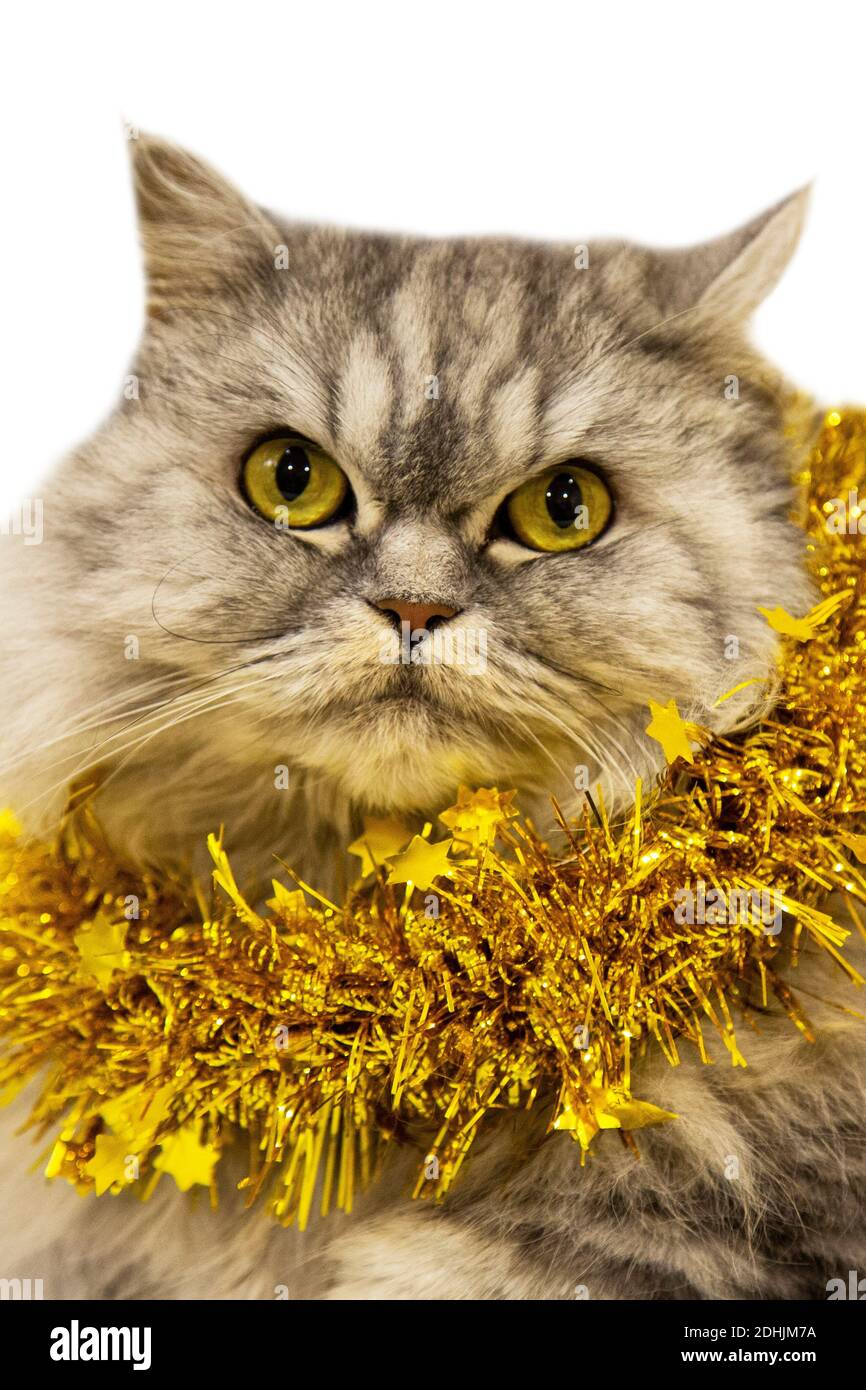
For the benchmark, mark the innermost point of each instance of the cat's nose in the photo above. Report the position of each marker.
(417, 615)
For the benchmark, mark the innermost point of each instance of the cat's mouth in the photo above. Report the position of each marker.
(406, 688)
(396, 705)
(404, 752)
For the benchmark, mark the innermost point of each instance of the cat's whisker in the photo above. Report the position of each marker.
(216, 700)
(247, 637)
(610, 714)
(524, 727)
(544, 715)
(108, 718)
(589, 745)
(180, 716)
(110, 708)
(583, 687)
(104, 747)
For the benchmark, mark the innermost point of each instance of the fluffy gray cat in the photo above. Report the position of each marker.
(326, 433)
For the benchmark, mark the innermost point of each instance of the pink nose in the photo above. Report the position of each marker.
(417, 615)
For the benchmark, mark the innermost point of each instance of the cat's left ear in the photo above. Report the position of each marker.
(198, 233)
(729, 277)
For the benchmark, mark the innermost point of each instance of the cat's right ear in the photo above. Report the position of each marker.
(726, 279)
(198, 232)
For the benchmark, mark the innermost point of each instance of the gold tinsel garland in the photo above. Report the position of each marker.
(475, 973)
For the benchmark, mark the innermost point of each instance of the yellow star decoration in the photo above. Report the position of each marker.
(186, 1159)
(102, 947)
(476, 816)
(286, 901)
(804, 628)
(108, 1165)
(668, 729)
(380, 841)
(136, 1115)
(421, 863)
(610, 1107)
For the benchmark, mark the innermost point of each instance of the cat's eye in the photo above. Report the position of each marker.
(564, 508)
(292, 482)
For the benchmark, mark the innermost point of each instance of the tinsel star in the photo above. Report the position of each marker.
(381, 839)
(607, 1107)
(108, 1167)
(102, 947)
(188, 1161)
(421, 863)
(136, 1114)
(803, 628)
(290, 903)
(668, 729)
(476, 816)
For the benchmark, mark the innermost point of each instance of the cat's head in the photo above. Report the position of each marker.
(566, 456)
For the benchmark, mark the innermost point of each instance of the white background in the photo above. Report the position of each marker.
(664, 122)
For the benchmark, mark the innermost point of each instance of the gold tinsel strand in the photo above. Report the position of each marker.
(161, 1022)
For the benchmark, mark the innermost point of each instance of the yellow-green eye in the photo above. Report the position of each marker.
(293, 483)
(562, 509)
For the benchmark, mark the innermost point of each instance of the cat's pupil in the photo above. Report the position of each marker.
(293, 472)
(563, 499)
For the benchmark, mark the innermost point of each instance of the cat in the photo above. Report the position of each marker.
(219, 663)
